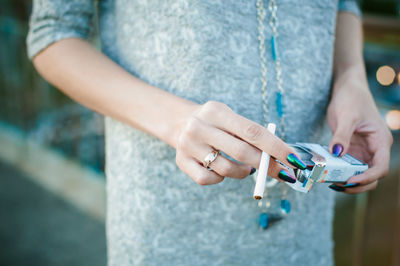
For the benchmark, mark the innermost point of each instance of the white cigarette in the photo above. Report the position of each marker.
(263, 169)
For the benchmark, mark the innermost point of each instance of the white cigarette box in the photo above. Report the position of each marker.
(322, 166)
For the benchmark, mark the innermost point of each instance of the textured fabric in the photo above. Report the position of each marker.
(207, 50)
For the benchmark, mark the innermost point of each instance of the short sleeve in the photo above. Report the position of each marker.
(350, 6)
(53, 20)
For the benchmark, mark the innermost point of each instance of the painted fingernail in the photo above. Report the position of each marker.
(337, 150)
(295, 161)
(252, 170)
(336, 188)
(286, 176)
(350, 185)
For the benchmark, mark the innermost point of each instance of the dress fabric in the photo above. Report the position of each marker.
(206, 50)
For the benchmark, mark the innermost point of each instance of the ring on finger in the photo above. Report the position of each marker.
(210, 158)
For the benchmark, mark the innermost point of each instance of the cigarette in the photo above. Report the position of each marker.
(263, 169)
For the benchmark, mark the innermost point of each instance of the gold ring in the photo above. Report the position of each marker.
(209, 159)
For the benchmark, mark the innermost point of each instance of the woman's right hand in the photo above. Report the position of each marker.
(214, 125)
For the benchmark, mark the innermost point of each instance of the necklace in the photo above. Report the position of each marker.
(268, 214)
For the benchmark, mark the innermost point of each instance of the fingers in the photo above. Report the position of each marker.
(215, 126)
(378, 170)
(222, 117)
(369, 179)
(234, 147)
(360, 189)
(193, 145)
(227, 168)
(340, 141)
(197, 172)
(222, 165)
(354, 188)
(202, 176)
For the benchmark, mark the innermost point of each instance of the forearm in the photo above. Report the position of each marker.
(92, 79)
(348, 55)
(349, 77)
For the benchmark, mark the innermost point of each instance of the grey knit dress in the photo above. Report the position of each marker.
(206, 50)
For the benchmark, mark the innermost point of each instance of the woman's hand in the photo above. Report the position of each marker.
(358, 129)
(214, 125)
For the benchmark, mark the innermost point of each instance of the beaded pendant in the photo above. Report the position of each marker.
(285, 206)
(268, 216)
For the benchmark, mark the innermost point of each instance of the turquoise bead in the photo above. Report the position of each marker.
(274, 48)
(285, 206)
(263, 221)
(279, 104)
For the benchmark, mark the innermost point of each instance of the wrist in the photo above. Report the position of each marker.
(350, 74)
(349, 66)
(153, 110)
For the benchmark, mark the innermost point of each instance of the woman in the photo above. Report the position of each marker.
(180, 79)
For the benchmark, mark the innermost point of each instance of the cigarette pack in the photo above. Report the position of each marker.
(323, 167)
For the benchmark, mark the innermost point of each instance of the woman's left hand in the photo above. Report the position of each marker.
(359, 130)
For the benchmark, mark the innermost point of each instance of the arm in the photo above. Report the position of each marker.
(92, 79)
(352, 114)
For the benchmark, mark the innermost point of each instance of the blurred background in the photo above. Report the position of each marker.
(52, 196)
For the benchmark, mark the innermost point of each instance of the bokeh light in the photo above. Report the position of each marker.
(385, 75)
(393, 119)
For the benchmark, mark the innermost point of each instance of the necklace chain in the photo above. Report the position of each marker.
(273, 23)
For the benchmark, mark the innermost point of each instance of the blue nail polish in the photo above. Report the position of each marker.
(285, 176)
(295, 161)
(252, 170)
(351, 185)
(336, 188)
(337, 150)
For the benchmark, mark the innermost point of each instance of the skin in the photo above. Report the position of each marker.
(92, 79)
(352, 114)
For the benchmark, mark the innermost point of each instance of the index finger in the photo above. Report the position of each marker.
(258, 136)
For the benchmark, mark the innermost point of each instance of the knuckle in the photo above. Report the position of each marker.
(182, 142)
(192, 127)
(212, 108)
(215, 106)
(253, 132)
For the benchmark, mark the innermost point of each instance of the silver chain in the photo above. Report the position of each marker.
(273, 23)
(261, 14)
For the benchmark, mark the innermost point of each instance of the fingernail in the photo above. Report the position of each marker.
(295, 161)
(252, 170)
(336, 188)
(350, 185)
(337, 150)
(286, 176)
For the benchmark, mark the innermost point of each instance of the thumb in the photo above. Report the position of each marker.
(340, 141)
